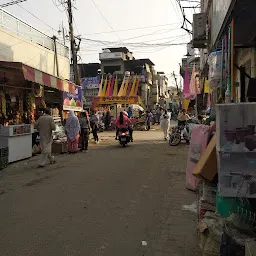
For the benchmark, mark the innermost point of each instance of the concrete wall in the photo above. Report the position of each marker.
(18, 49)
(144, 93)
(107, 63)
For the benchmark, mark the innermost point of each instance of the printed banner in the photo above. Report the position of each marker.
(73, 101)
(91, 82)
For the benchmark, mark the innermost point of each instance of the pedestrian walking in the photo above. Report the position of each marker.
(72, 129)
(165, 123)
(107, 120)
(148, 119)
(85, 130)
(130, 112)
(94, 125)
(45, 125)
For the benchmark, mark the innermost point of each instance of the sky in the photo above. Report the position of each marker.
(133, 24)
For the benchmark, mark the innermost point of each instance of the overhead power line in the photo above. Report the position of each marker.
(134, 44)
(132, 29)
(37, 18)
(103, 16)
(12, 3)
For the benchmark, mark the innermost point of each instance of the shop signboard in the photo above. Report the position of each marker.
(90, 82)
(220, 9)
(115, 100)
(73, 101)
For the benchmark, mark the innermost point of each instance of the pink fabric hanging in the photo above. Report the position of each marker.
(198, 143)
(186, 82)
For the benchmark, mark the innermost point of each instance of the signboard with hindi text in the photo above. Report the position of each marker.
(115, 100)
(90, 82)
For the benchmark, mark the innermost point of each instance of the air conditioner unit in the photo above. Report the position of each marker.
(199, 30)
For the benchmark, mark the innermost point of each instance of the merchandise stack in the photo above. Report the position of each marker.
(236, 149)
(59, 145)
(4, 154)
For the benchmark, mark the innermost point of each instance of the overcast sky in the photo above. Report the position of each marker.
(144, 21)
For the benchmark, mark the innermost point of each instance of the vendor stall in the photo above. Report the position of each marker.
(22, 100)
(17, 138)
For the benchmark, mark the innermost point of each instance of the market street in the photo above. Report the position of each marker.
(104, 202)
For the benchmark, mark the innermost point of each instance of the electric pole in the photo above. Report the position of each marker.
(73, 46)
(177, 87)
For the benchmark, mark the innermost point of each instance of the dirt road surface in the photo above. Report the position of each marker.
(111, 201)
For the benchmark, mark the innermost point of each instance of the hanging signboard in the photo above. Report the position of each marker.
(73, 101)
(90, 82)
(220, 9)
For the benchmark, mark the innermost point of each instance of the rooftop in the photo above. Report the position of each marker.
(118, 49)
(140, 62)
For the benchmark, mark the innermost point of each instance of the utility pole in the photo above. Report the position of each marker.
(73, 46)
(178, 91)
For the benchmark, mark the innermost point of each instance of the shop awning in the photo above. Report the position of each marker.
(15, 72)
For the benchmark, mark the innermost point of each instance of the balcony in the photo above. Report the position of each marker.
(111, 56)
(22, 29)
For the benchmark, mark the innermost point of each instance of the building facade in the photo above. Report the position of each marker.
(229, 28)
(20, 42)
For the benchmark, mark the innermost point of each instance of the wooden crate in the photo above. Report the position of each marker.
(59, 148)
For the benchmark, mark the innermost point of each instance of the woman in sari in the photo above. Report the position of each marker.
(72, 128)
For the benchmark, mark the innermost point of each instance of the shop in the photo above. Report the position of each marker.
(221, 165)
(22, 99)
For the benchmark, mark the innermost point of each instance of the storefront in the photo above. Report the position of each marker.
(22, 98)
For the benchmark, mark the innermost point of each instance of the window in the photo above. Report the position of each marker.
(112, 69)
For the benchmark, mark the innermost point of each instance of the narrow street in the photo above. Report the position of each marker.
(104, 202)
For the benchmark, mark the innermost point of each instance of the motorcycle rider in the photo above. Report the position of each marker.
(182, 117)
(123, 122)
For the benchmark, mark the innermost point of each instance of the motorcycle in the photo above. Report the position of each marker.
(178, 133)
(182, 131)
(124, 137)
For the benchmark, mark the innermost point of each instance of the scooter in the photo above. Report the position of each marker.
(124, 137)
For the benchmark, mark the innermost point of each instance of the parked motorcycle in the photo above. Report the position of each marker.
(182, 131)
(101, 127)
(178, 133)
(124, 137)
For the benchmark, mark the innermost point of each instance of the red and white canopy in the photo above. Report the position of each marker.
(15, 72)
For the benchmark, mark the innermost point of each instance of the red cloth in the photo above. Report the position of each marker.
(125, 124)
(73, 145)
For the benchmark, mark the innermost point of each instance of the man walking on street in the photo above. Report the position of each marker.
(94, 125)
(45, 125)
(85, 130)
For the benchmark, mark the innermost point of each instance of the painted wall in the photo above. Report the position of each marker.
(220, 9)
(17, 49)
